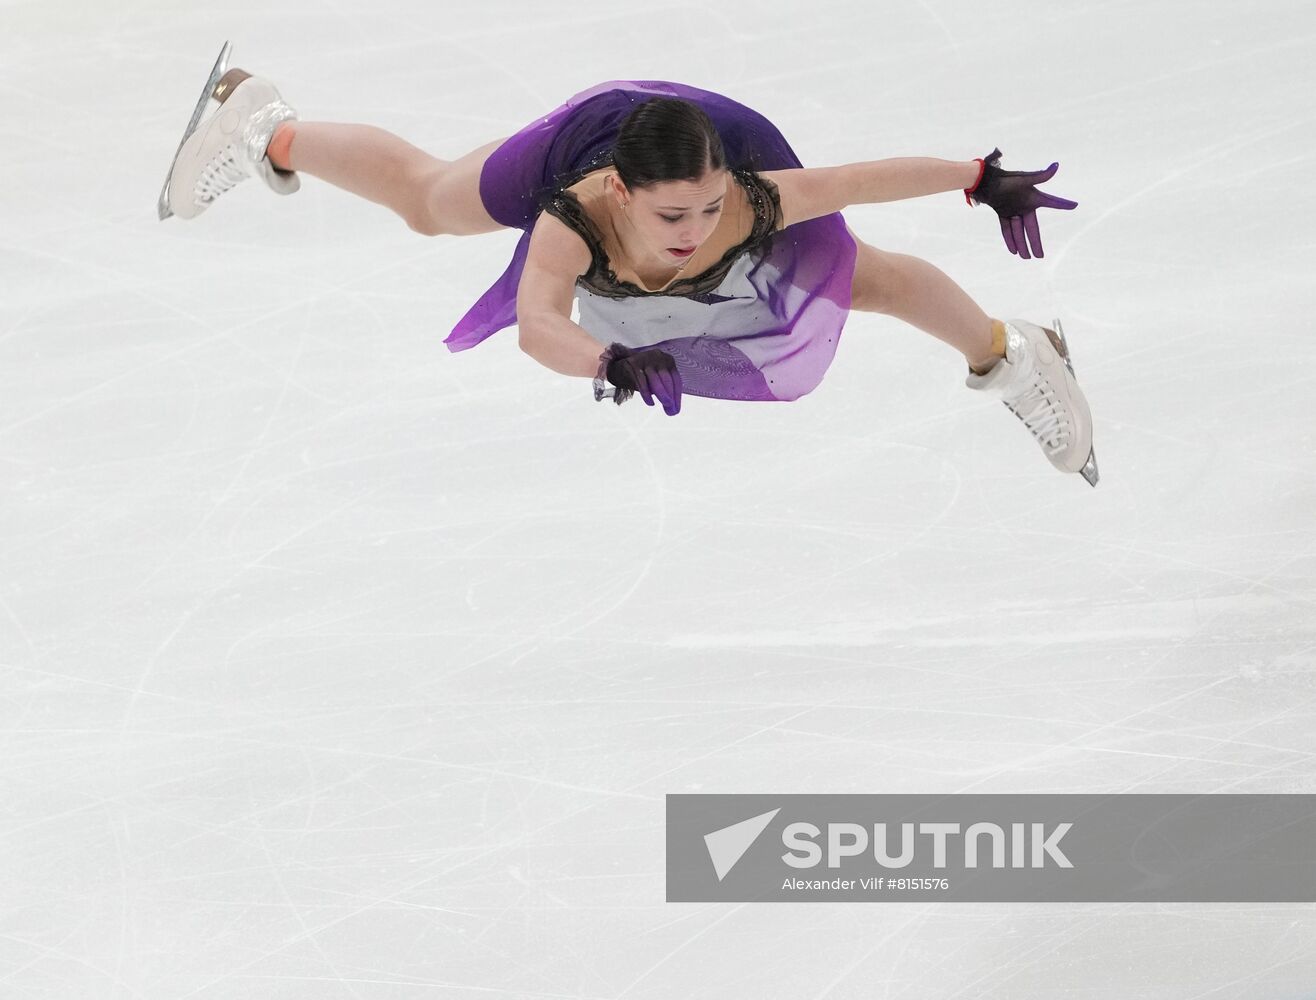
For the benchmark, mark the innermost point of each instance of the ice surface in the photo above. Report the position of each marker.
(336, 665)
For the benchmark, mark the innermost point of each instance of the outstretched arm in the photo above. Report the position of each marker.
(810, 192)
(807, 193)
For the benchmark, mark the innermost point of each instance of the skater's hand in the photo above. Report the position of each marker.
(1014, 196)
(650, 373)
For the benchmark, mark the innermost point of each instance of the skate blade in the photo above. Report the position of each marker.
(1089, 470)
(221, 65)
(1064, 355)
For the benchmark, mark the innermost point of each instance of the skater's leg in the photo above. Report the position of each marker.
(918, 293)
(1025, 365)
(254, 133)
(432, 196)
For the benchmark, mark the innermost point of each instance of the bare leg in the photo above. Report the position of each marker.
(916, 292)
(432, 196)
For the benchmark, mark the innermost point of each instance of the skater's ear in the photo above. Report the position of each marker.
(618, 190)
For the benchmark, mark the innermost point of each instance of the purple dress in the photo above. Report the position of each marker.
(763, 324)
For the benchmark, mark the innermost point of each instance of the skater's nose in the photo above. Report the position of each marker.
(693, 236)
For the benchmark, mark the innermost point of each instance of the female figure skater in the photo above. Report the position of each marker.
(703, 254)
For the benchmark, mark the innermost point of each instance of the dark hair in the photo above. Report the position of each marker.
(666, 139)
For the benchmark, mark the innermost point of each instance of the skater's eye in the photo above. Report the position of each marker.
(678, 218)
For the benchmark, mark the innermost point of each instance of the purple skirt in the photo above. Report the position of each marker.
(799, 281)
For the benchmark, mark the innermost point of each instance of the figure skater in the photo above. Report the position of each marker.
(702, 253)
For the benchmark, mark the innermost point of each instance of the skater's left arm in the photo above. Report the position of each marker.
(807, 193)
(810, 192)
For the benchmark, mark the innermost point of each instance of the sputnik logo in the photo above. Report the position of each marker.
(728, 845)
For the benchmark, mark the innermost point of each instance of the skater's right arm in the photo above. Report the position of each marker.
(555, 258)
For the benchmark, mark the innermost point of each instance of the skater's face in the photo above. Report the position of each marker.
(673, 216)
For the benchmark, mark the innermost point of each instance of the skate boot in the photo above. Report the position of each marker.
(1036, 382)
(230, 146)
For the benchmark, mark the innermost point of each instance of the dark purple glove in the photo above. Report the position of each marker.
(650, 373)
(1014, 196)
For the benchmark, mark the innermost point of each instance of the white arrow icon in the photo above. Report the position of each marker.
(729, 844)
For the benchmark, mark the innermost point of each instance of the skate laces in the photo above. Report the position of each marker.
(241, 158)
(220, 174)
(1041, 412)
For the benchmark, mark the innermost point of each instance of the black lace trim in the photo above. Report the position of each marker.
(763, 197)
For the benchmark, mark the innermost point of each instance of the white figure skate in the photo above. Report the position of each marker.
(1036, 382)
(230, 146)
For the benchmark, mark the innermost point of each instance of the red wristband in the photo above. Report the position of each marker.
(982, 169)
